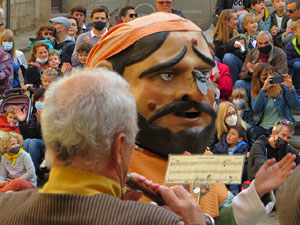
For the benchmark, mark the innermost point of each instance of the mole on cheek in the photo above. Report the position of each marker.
(151, 105)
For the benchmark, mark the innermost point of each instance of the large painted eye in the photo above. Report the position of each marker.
(166, 76)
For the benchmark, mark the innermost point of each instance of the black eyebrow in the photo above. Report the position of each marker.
(166, 64)
(205, 58)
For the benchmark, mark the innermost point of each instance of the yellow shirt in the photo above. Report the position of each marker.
(65, 180)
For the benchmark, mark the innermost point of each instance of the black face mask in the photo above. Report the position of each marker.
(280, 143)
(266, 49)
(99, 25)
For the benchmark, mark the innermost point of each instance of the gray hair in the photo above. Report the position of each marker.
(83, 114)
(264, 32)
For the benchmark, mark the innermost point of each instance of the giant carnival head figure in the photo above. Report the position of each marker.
(167, 62)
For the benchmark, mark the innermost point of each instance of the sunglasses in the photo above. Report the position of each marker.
(285, 122)
(291, 11)
(47, 33)
(131, 15)
(165, 2)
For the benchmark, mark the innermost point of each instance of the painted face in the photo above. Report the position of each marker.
(251, 26)
(46, 81)
(131, 15)
(164, 5)
(156, 81)
(41, 52)
(82, 56)
(259, 7)
(232, 23)
(53, 61)
(233, 137)
(293, 12)
(279, 4)
(11, 118)
(73, 29)
(79, 16)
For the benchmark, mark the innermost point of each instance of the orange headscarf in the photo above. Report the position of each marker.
(122, 36)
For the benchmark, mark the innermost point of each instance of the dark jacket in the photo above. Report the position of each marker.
(259, 154)
(178, 12)
(222, 147)
(248, 116)
(33, 75)
(66, 47)
(32, 129)
(278, 38)
(277, 59)
(221, 48)
(292, 54)
(227, 4)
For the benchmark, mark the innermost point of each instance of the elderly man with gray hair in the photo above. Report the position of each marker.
(265, 52)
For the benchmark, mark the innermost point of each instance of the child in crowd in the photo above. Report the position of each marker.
(233, 144)
(279, 22)
(9, 120)
(240, 100)
(259, 9)
(48, 77)
(45, 34)
(54, 62)
(83, 51)
(17, 171)
(293, 56)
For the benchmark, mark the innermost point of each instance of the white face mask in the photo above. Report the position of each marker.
(42, 61)
(231, 120)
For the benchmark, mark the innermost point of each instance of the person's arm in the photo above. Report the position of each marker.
(257, 158)
(6, 68)
(258, 104)
(280, 62)
(245, 74)
(3, 171)
(225, 82)
(33, 75)
(29, 168)
(290, 95)
(67, 53)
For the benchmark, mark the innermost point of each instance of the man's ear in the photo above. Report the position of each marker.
(123, 19)
(118, 147)
(240, 139)
(106, 64)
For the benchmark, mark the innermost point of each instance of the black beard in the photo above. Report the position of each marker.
(163, 141)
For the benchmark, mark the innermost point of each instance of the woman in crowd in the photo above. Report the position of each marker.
(225, 49)
(272, 101)
(38, 62)
(228, 117)
(18, 59)
(45, 33)
(75, 29)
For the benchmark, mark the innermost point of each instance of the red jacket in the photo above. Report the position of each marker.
(225, 81)
(5, 126)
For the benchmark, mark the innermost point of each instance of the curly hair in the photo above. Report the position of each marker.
(5, 141)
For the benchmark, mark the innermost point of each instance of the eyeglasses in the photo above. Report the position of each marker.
(47, 33)
(230, 113)
(291, 11)
(285, 122)
(165, 2)
(131, 15)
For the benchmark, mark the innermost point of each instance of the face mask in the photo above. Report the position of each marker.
(39, 105)
(42, 61)
(14, 150)
(239, 103)
(231, 120)
(266, 49)
(280, 143)
(99, 25)
(7, 46)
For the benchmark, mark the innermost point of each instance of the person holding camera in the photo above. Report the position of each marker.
(265, 52)
(273, 96)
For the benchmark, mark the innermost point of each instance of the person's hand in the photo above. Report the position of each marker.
(86, 39)
(241, 12)
(183, 204)
(21, 115)
(216, 77)
(267, 83)
(247, 155)
(26, 86)
(207, 152)
(66, 67)
(3, 183)
(288, 31)
(38, 115)
(271, 174)
(260, 15)
(250, 66)
(274, 30)
(287, 81)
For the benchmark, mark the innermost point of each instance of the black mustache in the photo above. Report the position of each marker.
(179, 106)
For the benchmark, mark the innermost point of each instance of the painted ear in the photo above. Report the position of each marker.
(106, 64)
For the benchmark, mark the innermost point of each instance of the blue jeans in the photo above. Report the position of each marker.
(244, 84)
(36, 149)
(296, 75)
(235, 65)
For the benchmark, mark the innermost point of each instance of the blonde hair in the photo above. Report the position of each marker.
(287, 199)
(54, 52)
(221, 116)
(296, 24)
(8, 34)
(239, 93)
(10, 109)
(260, 70)
(222, 31)
(250, 17)
(5, 141)
(50, 73)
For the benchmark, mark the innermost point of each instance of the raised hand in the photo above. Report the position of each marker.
(21, 115)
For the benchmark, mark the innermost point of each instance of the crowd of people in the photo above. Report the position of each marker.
(234, 96)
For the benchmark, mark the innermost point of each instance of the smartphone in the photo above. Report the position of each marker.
(277, 80)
